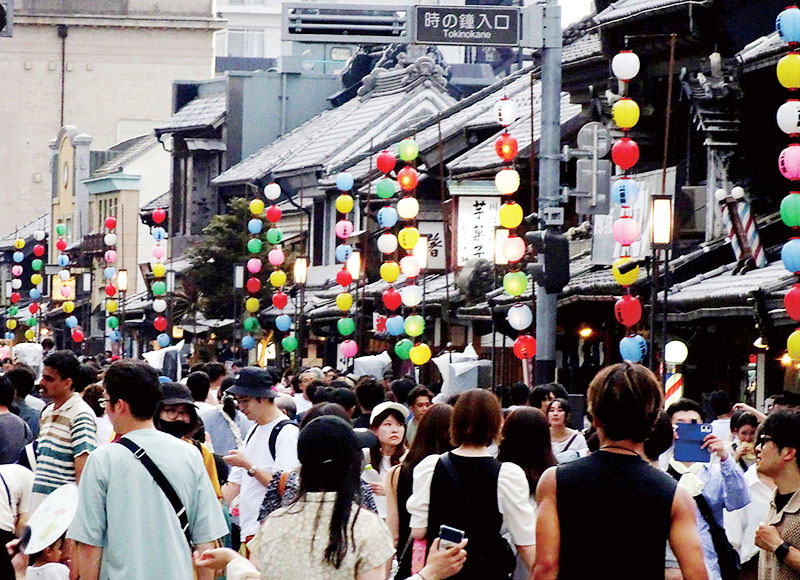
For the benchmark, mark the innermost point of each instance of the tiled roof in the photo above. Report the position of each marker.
(762, 48)
(200, 112)
(126, 152)
(626, 9)
(582, 48)
(162, 201)
(26, 232)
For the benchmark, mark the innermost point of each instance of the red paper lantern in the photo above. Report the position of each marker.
(792, 302)
(525, 346)
(344, 278)
(280, 300)
(61, 244)
(33, 308)
(77, 335)
(159, 215)
(392, 299)
(111, 222)
(628, 310)
(160, 323)
(274, 213)
(111, 290)
(253, 285)
(15, 297)
(408, 178)
(625, 153)
(38, 250)
(385, 162)
(506, 147)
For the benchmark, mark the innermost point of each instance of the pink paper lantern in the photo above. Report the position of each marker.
(111, 256)
(626, 231)
(789, 162)
(349, 348)
(158, 252)
(344, 228)
(275, 256)
(254, 265)
(16, 270)
(66, 292)
(514, 249)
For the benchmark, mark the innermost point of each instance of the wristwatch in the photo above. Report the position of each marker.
(252, 471)
(782, 551)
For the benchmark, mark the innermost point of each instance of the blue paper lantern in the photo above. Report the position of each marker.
(625, 192)
(790, 254)
(9, 336)
(109, 272)
(283, 322)
(35, 293)
(248, 342)
(159, 234)
(116, 336)
(254, 226)
(344, 181)
(162, 379)
(633, 348)
(163, 340)
(395, 325)
(343, 252)
(788, 24)
(18, 257)
(387, 217)
(71, 322)
(63, 260)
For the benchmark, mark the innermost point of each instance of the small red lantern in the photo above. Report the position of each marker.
(628, 310)
(625, 153)
(111, 222)
(61, 244)
(344, 278)
(77, 335)
(385, 162)
(38, 250)
(159, 215)
(525, 347)
(506, 147)
(15, 297)
(392, 299)
(792, 302)
(160, 323)
(111, 290)
(33, 308)
(408, 178)
(253, 285)
(280, 300)
(274, 213)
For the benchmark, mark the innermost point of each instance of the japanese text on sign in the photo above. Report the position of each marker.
(489, 26)
(477, 221)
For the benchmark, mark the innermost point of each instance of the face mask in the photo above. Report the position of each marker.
(175, 428)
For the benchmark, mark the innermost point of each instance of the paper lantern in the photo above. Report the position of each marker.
(274, 236)
(788, 25)
(625, 65)
(344, 203)
(112, 305)
(111, 222)
(514, 249)
(35, 293)
(159, 215)
(395, 325)
(280, 300)
(71, 322)
(283, 322)
(414, 325)
(343, 252)
(248, 342)
(505, 111)
(408, 238)
(403, 349)
(11, 323)
(16, 283)
(625, 113)
(411, 295)
(790, 209)
(158, 252)
(387, 217)
(274, 213)
(409, 266)
(112, 322)
(36, 265)
(344, 278)
(625, 191)
(793, 345)
(256, 207)
(519, 316)
(525, 347)
(33, 308)
(252, 305)
(63, 260)
(272, 191)
(251, 324)
(277, 278)
(38, 250)
(345, 326)
(788, 117)
(790, 255)
(77, 335)
(392, 299)
(68, 306)
(66, 292)
(788, 71)
(387, 243)
(624, 279)
(625, 153)
(64, 275)
(159, 270)
(510, 215)
(407, 178)
(13, 310)
(254, 226)
(254, 265)
(385, 188)
(16, 270)
(18, 257)
(507, 181)
(385, 162)
(389, 271)
(420, 354)
(344, 182)
(275, 256)
(625, 230)
(159, 305)
(61, 229)
(110, 256)
(110, 239)
(506, 147)
(633, 348)
(163, 340)
(116, 336)
(31, 321)
(158, 288)
(515, 283)
(30, 334)
(408, 208)
(628, 310)
(39, 235)
(109, 272)
(789, 162)
(408, 150)
(792, 302)
(344, 228)
(349, 348)
(344, 301)
(19, 243)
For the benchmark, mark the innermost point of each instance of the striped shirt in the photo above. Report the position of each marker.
(64, 434)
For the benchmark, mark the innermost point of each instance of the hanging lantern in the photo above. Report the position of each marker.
(507, 181)
(395, 325)
(519, 316)
(289, 343)
(346, 326)
(506, 147)
(274, 236)
(389, 271)
(159, 305)
(625, 113)
(624, 279)
(391, 299)
(790, 255)
(344, 301)
(625, 231)
(414, 325)
(159, 215)
(283, 322)
(625, 191)
(633, 348)
(793, 345)
(385, 162)
(403, 349)
(789, 162)
(277, 278)
(385, 188)
(275, 256)
(274, 214)
(514, 249)
(525, 347)
(628, 310)
(344, 203)
(77, 335)
(407, 178)
(254, 226)
(792, 302)
(788, 25)
(790, 209)
(515, 283)
(344, 278)
(625, 65)
(279, 299)
(788, 71)
(408, 238)
(272, 191)
(387, 217)
(344, 229)
(506, 111)
(349, 348)
(407, 150)
(256, 207)
(411, 296)
(408, 208)
(420, 354)
(387, 243)
(409, 266)
(344, 182)
(625, 153)
(510, 215)
(343, 253)
(254, 265)
(788, 117)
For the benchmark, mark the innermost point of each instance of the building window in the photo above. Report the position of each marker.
(245, 42)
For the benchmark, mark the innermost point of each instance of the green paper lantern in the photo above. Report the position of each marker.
(61, 229)
(408, 150)
(13, 310)
(274, 236)
(790, 210)
(289, 344)
(159, 287)
(402, 348)
(385, 188)
(31, 321)
(515, 283)
(37, 264)
(112, 322)
(346, 326)
(415, 325)
(251, 324)
(254, 246)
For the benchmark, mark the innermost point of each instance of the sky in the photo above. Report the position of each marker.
(572, 10)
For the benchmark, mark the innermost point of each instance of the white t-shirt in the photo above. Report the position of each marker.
(20, 483)
(49, 571)
(256, 449)
(721, 428)
(301, 403)
(579, 444)
(203, 407)
(104, 429)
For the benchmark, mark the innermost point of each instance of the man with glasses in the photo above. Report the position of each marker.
(778, 453)
(270, 445)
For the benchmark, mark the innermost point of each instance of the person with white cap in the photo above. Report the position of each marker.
(388, 422)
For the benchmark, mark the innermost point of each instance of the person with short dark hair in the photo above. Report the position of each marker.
(401, 389)
(87, 376)
(518, 395)
(199, 384)
(22, 378)
(722, 408)
(14, 432)
(568, 444)
(216, 373)
(419, 400)
(540, 397)
(125, 526)
(347, 399)
(48, 344)
(370, 394)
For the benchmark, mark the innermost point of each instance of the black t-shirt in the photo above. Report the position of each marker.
(781, 499)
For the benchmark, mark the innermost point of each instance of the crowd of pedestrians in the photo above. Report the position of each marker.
(253, 473)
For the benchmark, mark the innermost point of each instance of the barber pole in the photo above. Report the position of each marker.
(741, 230)
(673, 389)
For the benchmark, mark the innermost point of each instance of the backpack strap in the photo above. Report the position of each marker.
(273, 437)
(447, 463)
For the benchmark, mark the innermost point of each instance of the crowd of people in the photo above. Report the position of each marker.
(255, 473)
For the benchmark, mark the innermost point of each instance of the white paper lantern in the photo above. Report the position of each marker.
(507, 181)
(506, 111)
(625, 65)
(387, 243)
(39, 235)
(519, 316)
(110, 239)
(408, 208)
(409, 266)
(159, 305)
(16, 283)
(64, 275)
(789, 117)
(411, 295)
(272, 191)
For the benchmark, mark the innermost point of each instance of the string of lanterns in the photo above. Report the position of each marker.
(110, 240)
(16, 286)
(35, 292)
(64, 275)
(788, 118)
(625, 191)
(254, 246)
(276, 257)
(159, 286)
(344, 252)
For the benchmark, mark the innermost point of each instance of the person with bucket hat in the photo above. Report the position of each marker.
(270, 445)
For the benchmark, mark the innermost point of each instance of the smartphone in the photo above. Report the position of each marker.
(449, 537)
(690, 438)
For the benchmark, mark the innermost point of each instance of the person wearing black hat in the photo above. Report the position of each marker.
(270, 445)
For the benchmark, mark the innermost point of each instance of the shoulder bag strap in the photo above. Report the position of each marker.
(273, 438)
(164, 484)
(569, 443)
(447, 463)
(8, 493)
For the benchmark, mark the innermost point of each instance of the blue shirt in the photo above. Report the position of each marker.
(219, 430)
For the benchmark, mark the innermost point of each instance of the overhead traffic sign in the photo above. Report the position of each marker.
(467, 25)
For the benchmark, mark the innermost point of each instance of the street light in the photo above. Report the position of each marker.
(122, 284)
(300, 277)
(354, 265)
(661, 232)
(675, 352)
(300, 270)
(661, 216)
(420, 252)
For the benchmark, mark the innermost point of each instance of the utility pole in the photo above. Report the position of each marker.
(550, 209)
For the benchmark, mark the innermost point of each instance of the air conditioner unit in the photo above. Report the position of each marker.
(337, 23)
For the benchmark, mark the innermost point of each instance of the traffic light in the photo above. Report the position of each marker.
(553, 275)
(6, 17)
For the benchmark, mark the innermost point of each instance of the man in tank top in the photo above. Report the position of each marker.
(612, 513)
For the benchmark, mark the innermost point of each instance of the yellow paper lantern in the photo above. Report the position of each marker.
(793, 345)
(256, 207)
(277, 278)
(30, 334)
(510, 215)
(36, 279)
(112, 305)
(789, 71)
(11, 323)
(159, 270)
(252, 304)
(626, 113)
(420, 354)
(68, 306)
(408, 238)
(344, 203)
(19, 243)
(344, 301)
(390, 271)
(624, 279)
